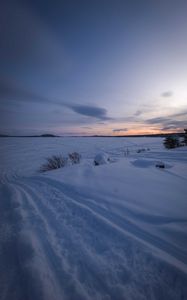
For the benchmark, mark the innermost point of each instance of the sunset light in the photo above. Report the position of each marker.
(90, 67)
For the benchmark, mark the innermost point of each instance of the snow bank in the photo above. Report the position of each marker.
(101, 159)
(118, 231)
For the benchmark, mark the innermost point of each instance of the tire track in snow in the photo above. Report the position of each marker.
(85, 251)
(124, 225)
(17, 280)
(66, 242)
(53, 274)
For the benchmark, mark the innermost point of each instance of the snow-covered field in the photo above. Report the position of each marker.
(114, 231)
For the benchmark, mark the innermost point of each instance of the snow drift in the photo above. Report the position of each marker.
(117, 231)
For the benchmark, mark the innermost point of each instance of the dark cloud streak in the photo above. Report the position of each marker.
(120, 129)
(158, 120)
(170, 122)
(90, 111)
(9, 90)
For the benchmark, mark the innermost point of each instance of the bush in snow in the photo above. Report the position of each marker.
(101, 159)
(171, 142)
(74, 158)
(160, 165)
(126, 152)
(140, 150)
(185, 137)
(54, 162)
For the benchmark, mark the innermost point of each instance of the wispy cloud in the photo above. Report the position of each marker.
(181, 114)
(138, 113)
(158, 120)
(86, 127)
(170, 127)
(9, 90)
(120, 129)
(170, 122)
(90, 111)
(167, 94)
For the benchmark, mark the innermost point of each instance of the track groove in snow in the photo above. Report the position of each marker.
(58, 241)
(56, 235)
(124, 225)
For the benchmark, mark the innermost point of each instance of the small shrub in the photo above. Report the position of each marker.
(54, 162)
(171, 142)
(74, 158)
(140, 150)
(126, 152)
(160, 165)
(185, 137)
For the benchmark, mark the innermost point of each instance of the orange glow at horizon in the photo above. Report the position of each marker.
(144, 130)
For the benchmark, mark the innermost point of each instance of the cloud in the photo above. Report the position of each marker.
(158, 120)
(11, 90)
(177, 123)
(120, 129)
(167, 94)
(169, 127)
(90, 111)
(138, 113)
(181, 114)
(171, 119)
(170, 122)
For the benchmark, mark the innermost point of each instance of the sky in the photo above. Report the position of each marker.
(93, 67)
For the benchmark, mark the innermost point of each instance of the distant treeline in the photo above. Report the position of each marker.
(181, 134)
(42, 135)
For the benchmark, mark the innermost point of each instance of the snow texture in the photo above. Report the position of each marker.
(113, 231)
(101, 159)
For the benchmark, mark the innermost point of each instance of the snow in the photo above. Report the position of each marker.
(101, 159)
(113, 231)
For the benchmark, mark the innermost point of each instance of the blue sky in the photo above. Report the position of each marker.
(93, 67)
